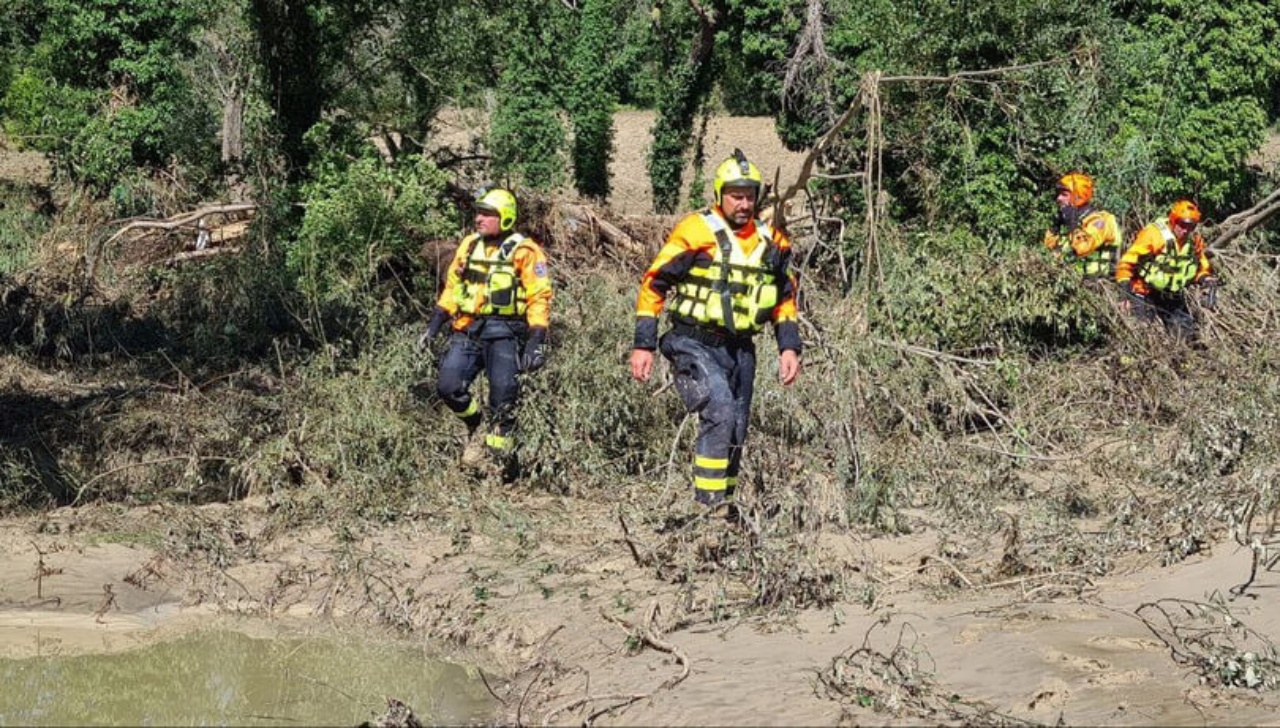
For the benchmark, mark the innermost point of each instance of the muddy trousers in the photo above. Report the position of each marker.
(716, 380)
(1169, 309)
(461, 364)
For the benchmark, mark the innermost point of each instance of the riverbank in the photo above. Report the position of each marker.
(568, 628)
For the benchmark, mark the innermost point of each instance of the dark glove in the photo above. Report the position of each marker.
(535, 350)
(438, 320)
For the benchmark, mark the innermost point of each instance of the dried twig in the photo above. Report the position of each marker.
(108, 602)
(42, 570)
(647, 633)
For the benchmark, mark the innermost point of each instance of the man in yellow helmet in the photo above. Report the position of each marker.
(721, 276)
(1166, 258)
(1091, 237)
(497, 303)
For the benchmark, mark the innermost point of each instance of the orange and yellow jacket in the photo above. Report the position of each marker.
(506, 278)
(730, 281)
(1095, 242)
(1157, 261)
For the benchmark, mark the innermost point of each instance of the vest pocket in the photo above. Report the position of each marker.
(502, 290)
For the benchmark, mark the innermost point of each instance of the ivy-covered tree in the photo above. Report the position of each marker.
(527, 136)
(591, 97)
(690, 80)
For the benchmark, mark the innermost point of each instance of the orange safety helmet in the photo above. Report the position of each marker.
(1184, 211)
(1079, 185)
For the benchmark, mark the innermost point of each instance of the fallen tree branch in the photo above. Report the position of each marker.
(648, 633)
(610, 232)
(185, 219)
(1246, 220)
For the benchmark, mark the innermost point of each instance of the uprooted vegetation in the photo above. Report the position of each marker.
(992, 397)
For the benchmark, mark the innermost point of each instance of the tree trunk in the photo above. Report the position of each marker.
(233, 126)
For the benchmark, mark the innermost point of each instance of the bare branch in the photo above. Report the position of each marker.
(1246, 220)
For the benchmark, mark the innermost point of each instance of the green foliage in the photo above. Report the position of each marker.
(947, 293)
(1155, 100)
(350, 434)
(95, 43)
(361, 211)
(528, 137)
(1193, 83)
(297, 67)
(21, 482)
(101, 86)
(751, 51)
(226, 310)
(41, 114)
(636, 58)
(690, 78)
(21, 225)
(591, 99)
(560, 409)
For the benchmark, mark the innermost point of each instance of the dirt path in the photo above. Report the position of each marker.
(564, 614)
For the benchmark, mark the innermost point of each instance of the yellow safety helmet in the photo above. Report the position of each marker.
(1185, 212)
(1079, 185)
(736, 171)
(503, 204)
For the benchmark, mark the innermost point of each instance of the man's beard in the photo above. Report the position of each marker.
(1069, 216)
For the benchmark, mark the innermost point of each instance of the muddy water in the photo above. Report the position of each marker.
(227, 677)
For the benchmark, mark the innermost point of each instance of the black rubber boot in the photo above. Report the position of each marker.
(709, 498)
(472, 421)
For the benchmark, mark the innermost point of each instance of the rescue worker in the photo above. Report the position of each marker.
(1165, 259)
(722, 275)
(1089, 235)
(497, 303)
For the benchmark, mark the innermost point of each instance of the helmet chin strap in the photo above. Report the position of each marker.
(1069, 216)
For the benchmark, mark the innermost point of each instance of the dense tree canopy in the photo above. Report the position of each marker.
(976, 108)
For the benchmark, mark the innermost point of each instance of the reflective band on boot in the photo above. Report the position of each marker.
(710, 473)
(499, 444)
(471, 409)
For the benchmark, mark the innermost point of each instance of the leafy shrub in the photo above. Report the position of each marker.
(944, 292)
(585, 396)
(359, 213)
(20, 228)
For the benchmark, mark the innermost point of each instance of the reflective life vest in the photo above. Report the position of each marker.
(491, 285)
(1102, 261)
(748, 286)
(1173, 268)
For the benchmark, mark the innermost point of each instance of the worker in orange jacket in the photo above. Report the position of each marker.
(1089, 235)
(1166, 258)
(497, 304)
(721, 276)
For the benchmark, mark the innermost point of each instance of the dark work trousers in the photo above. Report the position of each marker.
(497, 352)
(1169, 309)
(715, 379)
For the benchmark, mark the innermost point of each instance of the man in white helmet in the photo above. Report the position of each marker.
(721, 276)
(497, 303)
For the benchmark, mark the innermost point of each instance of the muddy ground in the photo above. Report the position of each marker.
(568, 627)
